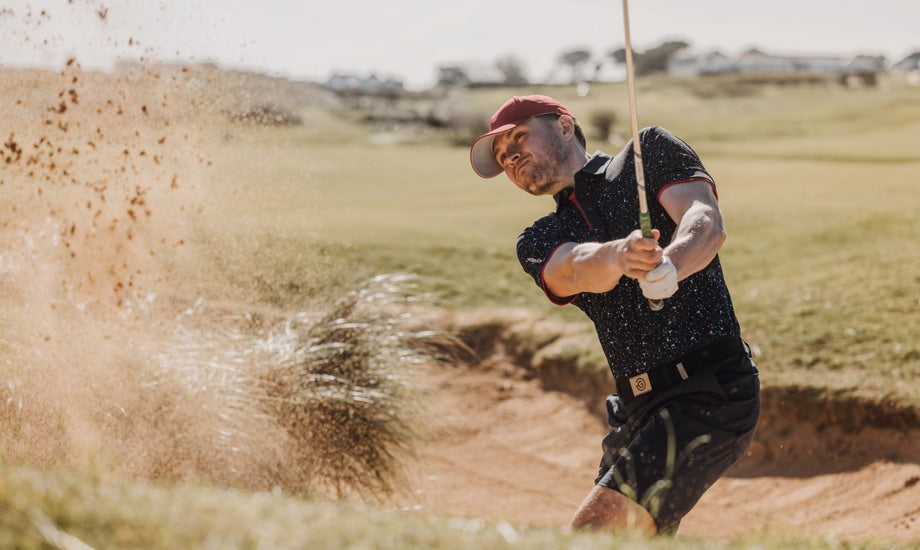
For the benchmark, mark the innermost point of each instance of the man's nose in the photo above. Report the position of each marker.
(513, 158)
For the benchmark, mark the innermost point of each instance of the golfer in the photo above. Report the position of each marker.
(687, 394)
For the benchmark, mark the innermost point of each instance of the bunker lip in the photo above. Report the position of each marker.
(511, 442)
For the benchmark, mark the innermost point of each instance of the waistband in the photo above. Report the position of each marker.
(667, 375)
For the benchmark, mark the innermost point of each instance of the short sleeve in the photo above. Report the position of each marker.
(534, 248)
(667, 160)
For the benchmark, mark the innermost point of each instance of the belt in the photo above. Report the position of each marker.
(667, 375)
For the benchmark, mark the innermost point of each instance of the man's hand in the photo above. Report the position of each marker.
(637, 255)
(661, 282)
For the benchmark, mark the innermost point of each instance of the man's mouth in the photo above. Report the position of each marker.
(517, 168)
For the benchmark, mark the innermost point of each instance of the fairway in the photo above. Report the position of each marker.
(819, 201)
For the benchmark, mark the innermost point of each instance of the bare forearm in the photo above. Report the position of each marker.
(697, 240)
(598, 267)
(594, 266)
(587, 267)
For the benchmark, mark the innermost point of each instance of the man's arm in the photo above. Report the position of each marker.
(700, 232)
(597, 267)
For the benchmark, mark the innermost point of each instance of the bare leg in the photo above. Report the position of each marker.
(605, 508)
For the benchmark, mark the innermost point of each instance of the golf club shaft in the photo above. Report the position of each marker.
(645, 221)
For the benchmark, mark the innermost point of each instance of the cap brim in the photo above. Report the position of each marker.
(481, 157)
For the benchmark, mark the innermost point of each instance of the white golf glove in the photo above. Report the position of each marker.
(661, 282)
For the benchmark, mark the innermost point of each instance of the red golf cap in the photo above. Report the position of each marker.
(515, 111)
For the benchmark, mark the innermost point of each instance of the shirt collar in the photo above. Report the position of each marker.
(595, 166)
(562, 196)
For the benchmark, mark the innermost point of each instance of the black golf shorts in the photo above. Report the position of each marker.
(666, 451)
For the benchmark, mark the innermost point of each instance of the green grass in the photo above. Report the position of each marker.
(822, 260)
(57, 509)
(816, 184)
(358, 209)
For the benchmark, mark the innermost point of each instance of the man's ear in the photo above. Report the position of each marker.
(568, 126)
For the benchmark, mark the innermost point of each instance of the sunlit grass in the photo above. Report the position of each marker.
(55, 509)
(815, 183)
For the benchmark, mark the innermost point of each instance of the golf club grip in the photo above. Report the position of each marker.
(645, 224)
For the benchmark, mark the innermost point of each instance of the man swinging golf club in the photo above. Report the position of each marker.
(687, 394)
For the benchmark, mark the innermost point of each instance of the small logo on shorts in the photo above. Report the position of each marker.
(640, 384)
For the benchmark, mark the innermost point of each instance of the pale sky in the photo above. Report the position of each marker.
(408, 39)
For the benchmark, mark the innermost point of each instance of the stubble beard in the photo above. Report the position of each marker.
(549, 169)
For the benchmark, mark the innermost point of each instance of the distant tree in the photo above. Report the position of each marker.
(452, 76)
(618, 55)
(576, 61)
(654, 60)
(513, 70)
(603, 121)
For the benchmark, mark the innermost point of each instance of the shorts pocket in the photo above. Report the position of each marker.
(738, 379)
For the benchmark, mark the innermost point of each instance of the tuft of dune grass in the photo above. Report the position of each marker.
(310, 402)
(340, 389)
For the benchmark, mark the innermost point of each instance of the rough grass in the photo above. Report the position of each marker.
(339, 387)
(57, 509)
(312, 403)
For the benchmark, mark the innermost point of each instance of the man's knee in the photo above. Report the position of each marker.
(605, 508)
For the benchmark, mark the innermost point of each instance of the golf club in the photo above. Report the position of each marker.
(645, 222)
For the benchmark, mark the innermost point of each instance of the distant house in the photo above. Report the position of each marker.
(756, 61)
(866, 64)
(372, 85)
(909, 63)
(689, 62)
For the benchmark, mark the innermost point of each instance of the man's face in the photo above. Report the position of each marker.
(533, 155)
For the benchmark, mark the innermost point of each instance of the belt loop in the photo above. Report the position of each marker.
(623, 390)
(682, 371)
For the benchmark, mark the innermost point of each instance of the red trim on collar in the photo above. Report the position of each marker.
(580, 209)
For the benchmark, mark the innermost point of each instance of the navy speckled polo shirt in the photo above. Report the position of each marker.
(603, 206)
